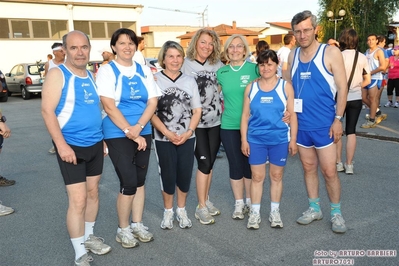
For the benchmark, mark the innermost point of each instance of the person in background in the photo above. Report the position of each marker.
(5, 132)
(252, 57)
(381, 44)
(317, 73)
(59, 58)
(283, 52)
(233, 79)
(74, 124)
(138, 55)
(202, 62)
(393, 78)
(260, 46)
(128, 94)
(107, 55)
(348, 43)
(175, 120)
(376, 60)
(264, 136)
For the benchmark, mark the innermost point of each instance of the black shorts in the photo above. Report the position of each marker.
(1, 141)
(90, 161)
(175, 164)
(238, 163)
(130, 165)
(206, 148)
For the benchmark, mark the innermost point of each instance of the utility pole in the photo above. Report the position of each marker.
(203, 14)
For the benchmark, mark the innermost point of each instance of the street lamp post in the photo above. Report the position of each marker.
(330, 15)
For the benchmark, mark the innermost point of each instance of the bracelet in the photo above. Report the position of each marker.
(192, 131)
(126, 130)
(140, 125)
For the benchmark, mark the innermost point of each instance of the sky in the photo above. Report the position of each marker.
(246, 13)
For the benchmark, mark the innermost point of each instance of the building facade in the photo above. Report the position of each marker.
(28, 28)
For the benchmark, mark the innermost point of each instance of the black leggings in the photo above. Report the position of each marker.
(352, 112)
(393, 84)
(206, 148)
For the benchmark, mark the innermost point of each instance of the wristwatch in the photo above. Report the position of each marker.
(141, 125)
(340, 118)
(3, 119)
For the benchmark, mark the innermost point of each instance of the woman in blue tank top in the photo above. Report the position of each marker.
(264, 135)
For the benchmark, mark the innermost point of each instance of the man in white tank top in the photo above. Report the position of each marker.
(59, 58)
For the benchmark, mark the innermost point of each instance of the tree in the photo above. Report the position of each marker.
(365, 16)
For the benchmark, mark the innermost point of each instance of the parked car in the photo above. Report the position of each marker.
(25, 78)
(153, 64)
(4, 90)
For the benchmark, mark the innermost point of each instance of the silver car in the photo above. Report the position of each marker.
(25, 78)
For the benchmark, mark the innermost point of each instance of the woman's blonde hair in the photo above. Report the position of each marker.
(214, 57)
(228, 42)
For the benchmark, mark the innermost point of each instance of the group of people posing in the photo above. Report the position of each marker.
(264, 118)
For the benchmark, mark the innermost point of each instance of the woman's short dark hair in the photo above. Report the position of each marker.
(267, 55)
(131, 34)
(348, 39)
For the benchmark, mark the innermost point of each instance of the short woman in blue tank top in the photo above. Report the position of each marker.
(265, 136)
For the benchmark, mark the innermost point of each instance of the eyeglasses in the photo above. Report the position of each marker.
(237, 47)
(303, 32)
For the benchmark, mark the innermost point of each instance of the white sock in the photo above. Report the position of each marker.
(89, 227)
(240, 201)
(124, 229)
(248, 201)
(255, 208)
(274, 206)
(178, 209)
(78, 246)
(170, 210)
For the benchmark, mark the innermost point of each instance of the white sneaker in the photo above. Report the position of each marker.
(126, 238)
(396, 105)
(388, 104)
(167, 221)
(184, 221)
(275, 219)
(4, 210)
(253, 220)
(340, 167)
(238, 213)
(349, 169)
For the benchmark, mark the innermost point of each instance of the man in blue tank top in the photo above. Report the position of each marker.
(71, 112)
(317, 73)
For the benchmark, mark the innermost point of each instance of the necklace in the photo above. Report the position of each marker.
(236, 70)
(303, 83)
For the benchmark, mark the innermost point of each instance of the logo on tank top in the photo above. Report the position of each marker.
(244, 80)
(87, 97)
(266, 99)
(306, 75)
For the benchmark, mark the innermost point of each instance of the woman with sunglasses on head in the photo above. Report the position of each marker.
(129, 94)
(175, 120)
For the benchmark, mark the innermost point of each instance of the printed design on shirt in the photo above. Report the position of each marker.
(305, 75)
(244, 80)
(207, 86)
(133, 91)
(174, 110)
(87, 96)
(265, 99)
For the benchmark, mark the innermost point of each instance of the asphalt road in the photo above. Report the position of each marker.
(36, 233)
